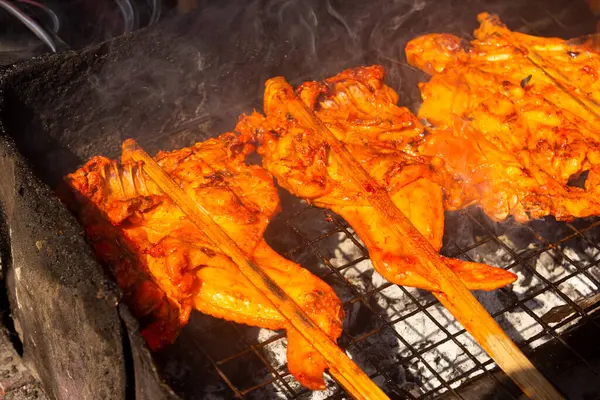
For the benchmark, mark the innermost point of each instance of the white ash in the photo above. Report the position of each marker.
(448, 359)
(382, 344)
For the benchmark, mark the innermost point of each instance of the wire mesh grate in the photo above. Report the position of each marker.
(403, 338)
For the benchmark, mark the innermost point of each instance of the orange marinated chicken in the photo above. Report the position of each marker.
(362, 112)
(502, 127)
(167, 266)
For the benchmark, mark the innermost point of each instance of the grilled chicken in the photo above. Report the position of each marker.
(362, 112)
(167, 266)
(507, 134)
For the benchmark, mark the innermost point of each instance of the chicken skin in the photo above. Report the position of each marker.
(362, 112)
(167, 266)
(508, 134)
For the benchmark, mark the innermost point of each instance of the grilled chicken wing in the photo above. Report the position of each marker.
(167, 266)
(361, 111)
(526, 136)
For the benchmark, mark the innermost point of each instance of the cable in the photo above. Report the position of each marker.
(52, 14)
(30, 24)
(128, 15)
(156, 11)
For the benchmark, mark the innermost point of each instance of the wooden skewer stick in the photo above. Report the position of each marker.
(348, 374)
(561, 81)
(564, 83)
(453, 294)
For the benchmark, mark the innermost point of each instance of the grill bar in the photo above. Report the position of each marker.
(449, 289)
(222, 374)
(546, 327)
(424, 307)
(365, 301)
(340, 365)
(276, 374)
(420, 308)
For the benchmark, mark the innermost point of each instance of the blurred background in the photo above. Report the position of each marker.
(34, 27)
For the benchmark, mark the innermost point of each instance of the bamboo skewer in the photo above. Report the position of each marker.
(563, 83)
(453, 294)
(572, 89)
(341, 367)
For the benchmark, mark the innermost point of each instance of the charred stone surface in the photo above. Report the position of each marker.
(63, 307)
(144, 380)
(16, 382)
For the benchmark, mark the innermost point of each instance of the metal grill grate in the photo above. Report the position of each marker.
(402, 337)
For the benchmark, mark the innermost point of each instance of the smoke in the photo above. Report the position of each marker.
(189, 78)
(241, 47)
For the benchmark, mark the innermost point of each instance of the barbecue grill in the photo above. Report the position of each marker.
(188, 78)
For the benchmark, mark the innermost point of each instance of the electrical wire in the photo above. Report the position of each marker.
(128, 12)
(129, 16)
(156, 6)
(30, 24)
(47, 10)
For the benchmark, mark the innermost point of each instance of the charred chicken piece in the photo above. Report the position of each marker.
(511, 138)
(167, 266)
(362, 113)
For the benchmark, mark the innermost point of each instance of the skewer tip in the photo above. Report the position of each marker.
(129, 145)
